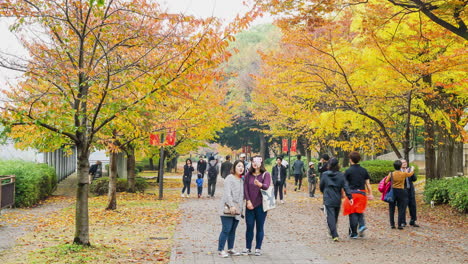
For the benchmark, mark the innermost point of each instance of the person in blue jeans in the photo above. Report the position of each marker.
(231, 209)
(255, 179)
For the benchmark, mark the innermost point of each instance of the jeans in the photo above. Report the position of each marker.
(186, 186)
(401, 200)
(332, 219)
(355, 220)
(199, 190)
(255, 218)
(298, 180)
(279, 188)
(228, 232)
(211, 188)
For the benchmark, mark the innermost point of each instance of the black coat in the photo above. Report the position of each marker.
(226, 168)
(187, 173)
(274, 174)
(331, 184)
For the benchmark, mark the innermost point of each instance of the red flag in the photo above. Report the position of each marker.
(293, 144)
(170, 138)
(285, 145)
(249, 149)
(154, 139)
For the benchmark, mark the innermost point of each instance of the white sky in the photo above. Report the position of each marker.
(226, 9)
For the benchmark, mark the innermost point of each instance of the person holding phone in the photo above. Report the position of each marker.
(255, 179)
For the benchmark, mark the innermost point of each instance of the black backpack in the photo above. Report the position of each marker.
(212, 173)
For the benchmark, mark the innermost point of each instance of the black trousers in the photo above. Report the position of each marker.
(401, 200)
(211, 188)
(298, 180)
(279, 188)
(355, 220)
(332, 219)
(411, 206)
(186, 186)
(200, 190)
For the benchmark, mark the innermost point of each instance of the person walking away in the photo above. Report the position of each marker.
(199, 182)
(286, 165)
(226, 167)
(398, 178)
(278, 175)
(213, 171)
(201, 166)
(233, 197)
(95, 171)
(312, 179)
(331, 185)
(299, 170)
(409, 187)
(255, 179)
(187, 177)
(359, 184)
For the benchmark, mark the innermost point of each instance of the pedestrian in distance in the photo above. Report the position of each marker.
(358, 180)
(231, 209)
(226, 167)
(278, 175)
(255, 179)
(201, 166)
(409, 187)
(213, 171)
(199, 182)
(95, 171)
(299, 170)
(187, 177)
(332, 185)
(323, 164)
(312, 179)
(242, 157)
(400, 195)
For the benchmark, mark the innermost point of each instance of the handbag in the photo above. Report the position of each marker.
(227, 210)
(389, 197)
(268, 197)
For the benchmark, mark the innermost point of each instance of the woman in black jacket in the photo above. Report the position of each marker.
(331, 184)
(187, 177)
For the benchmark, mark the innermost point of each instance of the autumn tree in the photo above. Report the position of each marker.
(88, 65)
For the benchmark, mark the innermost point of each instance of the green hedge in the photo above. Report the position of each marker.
(453, 191)
(378, 169)
(100, 186)
(34, 182)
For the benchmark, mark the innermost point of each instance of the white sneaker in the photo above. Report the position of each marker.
(282, 201)
(188, 195)
(232, 252)
(246, 252)
(223, 254)
(258, 252)
(182, 195)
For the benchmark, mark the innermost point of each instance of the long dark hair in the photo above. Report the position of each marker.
(333, 164)
(188, 160)
(233, 169)
(262, 166)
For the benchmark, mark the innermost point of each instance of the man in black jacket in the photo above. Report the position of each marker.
(409, 187)
(201, 166)
(323, 164)
(278, 175)
(226, 167)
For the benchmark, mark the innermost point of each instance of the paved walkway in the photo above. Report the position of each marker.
(196, 237)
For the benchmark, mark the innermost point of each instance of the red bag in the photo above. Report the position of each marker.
(384, 187)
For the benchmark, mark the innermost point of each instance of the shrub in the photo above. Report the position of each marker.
(100, 186)
(453, 191)
(378, 169)
(34, 182)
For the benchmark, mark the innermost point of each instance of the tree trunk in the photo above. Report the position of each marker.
(151, 164)
(112, 195)
(81, 215)
(407, 137)
(263, 148)
(429, 149)
(131, 169)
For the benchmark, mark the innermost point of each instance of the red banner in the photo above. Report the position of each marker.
(249, 149)
(170, 138)
(294, 145)
(285, 145)
(154, 139)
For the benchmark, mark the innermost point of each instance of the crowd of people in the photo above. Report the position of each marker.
(244, 182)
